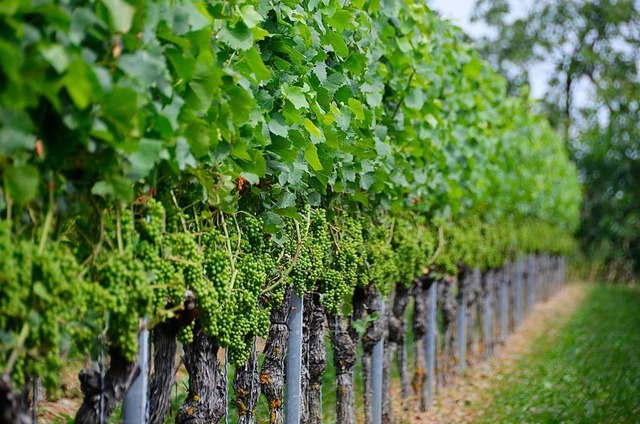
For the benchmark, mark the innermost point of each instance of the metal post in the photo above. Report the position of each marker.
(487, 315)
(544, 277)
(294, 361)
(504, 305)
(430, 340)
(134, 407)
(377, 363)
(462, 325)
(518, 294)
(531, 283)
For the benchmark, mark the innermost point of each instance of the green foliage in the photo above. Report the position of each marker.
(231, 148)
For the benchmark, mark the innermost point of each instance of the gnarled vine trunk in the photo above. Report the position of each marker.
(473, 304)
(487, 312)
(102, 396)
(449, 309)
(13, 408)
(206, 401)
(272, 372)
(316, 357)
(165, 345)
(420, 323)
(246, 386)
(344, 359)
(374, 333)
(164, 371)
(395, 346)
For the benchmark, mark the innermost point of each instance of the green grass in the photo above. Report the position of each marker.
(589, 373)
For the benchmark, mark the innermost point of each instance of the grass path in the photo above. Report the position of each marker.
(576, 359)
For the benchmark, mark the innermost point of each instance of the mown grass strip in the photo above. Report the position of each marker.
(589, 373)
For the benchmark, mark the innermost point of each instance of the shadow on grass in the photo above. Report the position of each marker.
(589, 373)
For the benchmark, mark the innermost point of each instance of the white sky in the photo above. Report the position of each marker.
(459, 12)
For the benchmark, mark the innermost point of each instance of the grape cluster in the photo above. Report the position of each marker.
(347, 266)
(185, 334)
(127, 297)
(213, 297)
(44, 299)
(232, 310)
(382, 264)
(314, 250)
(409, 250)
(152, 225)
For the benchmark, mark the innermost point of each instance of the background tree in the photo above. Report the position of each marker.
(592, 47)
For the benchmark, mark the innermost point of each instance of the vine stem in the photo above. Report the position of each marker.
(45, 230)
(404, 94)
(234, 271)
(14, 354)
(293, 262)
(47, 224)
(438, 251)
(175, 202)
(391, 230)
(119, 231)
(9, 208)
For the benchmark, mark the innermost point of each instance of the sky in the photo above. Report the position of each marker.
(459, 12)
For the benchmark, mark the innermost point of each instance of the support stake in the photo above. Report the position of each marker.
(134, 406)
(519, 293)
(504, 305)
(462, 325)
(430, 340)
(377, 362)
(531, 283)
(294, 361)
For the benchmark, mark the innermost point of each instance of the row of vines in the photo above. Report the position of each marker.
(184, 167)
